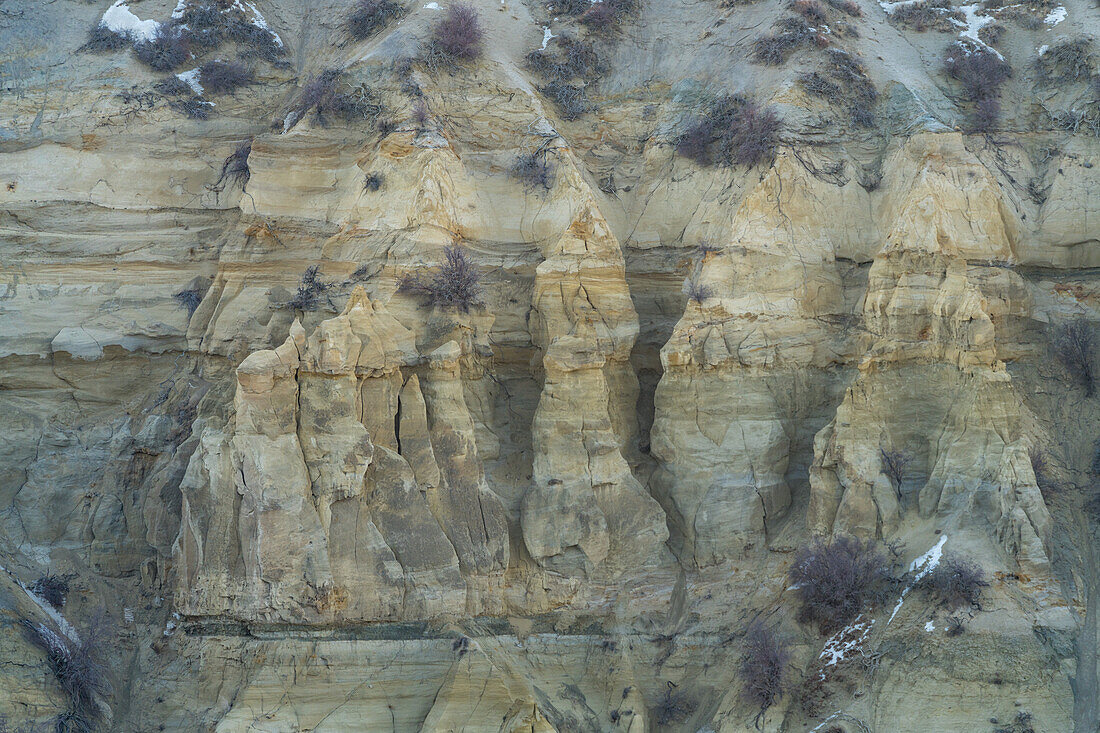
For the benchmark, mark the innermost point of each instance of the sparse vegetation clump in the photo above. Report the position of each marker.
(51, 588)
(570, 99)
(608, 13)
(673, 707)
(456, 285)
(534, 170)
(102, 39)
(836, 580)
(696, 291)
(981, 73)
(734, 131)
(849, 7)
(78, 669)
(791, 34)
(894, 463)
(189, 300)
(310, 289)
(569, 58)
(955, 582)
(1074, 345)
(203, 25)
(812, 10)
(568, 61)
(1067, 62)
(235, 168)
(327, 97)
(224, 77)
(367, 17)
(458, 36)
(925, 15)
(373, 182)
(844, 83)
(193, 107)
(763, 668)
(173, 86)
(166, 51)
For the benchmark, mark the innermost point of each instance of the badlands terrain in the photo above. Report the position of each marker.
(738, 287)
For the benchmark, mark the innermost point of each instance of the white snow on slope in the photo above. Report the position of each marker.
(192, 79)
(119, 19)
(847, 640)
(922, 566)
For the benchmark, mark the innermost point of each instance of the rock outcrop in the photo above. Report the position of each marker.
(274, 489)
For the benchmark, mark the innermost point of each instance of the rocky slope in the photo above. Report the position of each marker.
(296, 496)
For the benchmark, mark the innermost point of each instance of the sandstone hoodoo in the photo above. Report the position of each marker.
(531, 367)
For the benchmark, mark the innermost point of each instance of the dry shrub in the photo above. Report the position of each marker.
(792, 34)
(458, 35)
(696, 291)
(1067, 62)
(981, 73)
(166, 51)
(812, 10)
(763, 668)
(534, 170)
(605, 14)
(456, 285)
(202, 25)
(837, 579)
(173, 86)
(235, 168)
(194, 107)
(734, 131)
(189, 300)
(1074, 344)
(849, 7)
(78, 669)
(923, 16)
(367, 17)
(224, 77)
(570, 99)
(102, 39)
(894, 463)
(844, 83)
(310, 289)
(674, 706)
(326, 97)
(569, 58)
(373, 182)
(51, 588)
(955, 582)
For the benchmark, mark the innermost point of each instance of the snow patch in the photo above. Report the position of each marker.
(1056, 16)
(975, 23)
(119, 19)
(929, 627)
(546, 36)
(191, 78)
(61, 621)
(259, 22)
(847, 640)
(432, 6)
(927, 562)
(922, 566)
(1043, 49)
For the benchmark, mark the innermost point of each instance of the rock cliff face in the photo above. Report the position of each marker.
(288, 490)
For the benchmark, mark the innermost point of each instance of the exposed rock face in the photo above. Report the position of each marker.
(930, 378)
(302, 497)
(586, 510)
